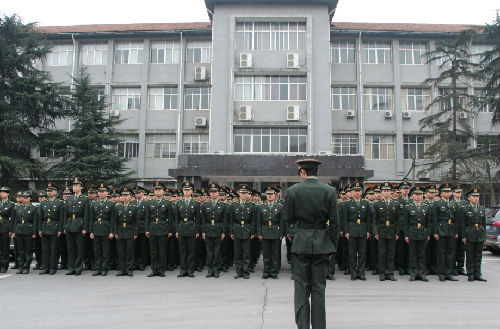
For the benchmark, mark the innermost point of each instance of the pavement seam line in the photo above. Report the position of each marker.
(264, 304)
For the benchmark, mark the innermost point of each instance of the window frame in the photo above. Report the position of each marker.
(390, 147)
(268, 140)
(346, 142)
(129, 95)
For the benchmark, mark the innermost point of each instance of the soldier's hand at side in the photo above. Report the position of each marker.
(135, 237)
(13, 235)
(40, 233)
(147, 235)
(197, 235)
(341, 233)
(203, 236)
(368, 235)
(33, 236)
(177, 235)
(232, 236)
(111, 235)
(84, 232)
(397, 237)
(281, 238)
(407, 239)
(64, 232)
(260, 237)
(252, 236)
(58, 234)
(464, 240)
(436, 236)
(376, 236)
(428, 238)
(169, 235)
(116, 236)
(288, 237)
(222, 236)
(92, 236)
(456, 236)
(347, 236)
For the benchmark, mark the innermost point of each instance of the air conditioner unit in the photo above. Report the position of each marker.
(245, 113)
(246, 60)
(406, 115)
(325, 152)
(350, 114)
(200, 122)
(292, 60)
(114, 113)
(424, 175)
(388, 114)
(200, 73)
(292, 113)
(462, 115)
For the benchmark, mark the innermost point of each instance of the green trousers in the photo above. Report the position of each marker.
(101, 252)
(242, 255)
(187, 252)
(74, 244)
(271, 251)
(474, 252)
(446, 255)
(357, 256)
(125, 248)
(386, 254)
(309, 272)
(417, 257)
(158, 249)
(214, 254)
(50, 251)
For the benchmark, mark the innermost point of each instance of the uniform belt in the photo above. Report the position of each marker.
(102, 221)
(315, 226)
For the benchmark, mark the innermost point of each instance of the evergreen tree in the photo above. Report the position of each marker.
(89, 150)
(29, 102)
(449, 148)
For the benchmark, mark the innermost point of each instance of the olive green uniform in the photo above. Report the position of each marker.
(25, 226)
(310, 205)
(51, 219)
(125, 230)
(76, 220)
(472, 221)
(242, 226)
(443, 216)
(357, 223)
(102, 223)
(402, 249)
(271, 227)
(386, 226)
(416, 222)
(7, 216)
(141, 242)
(188, 225)
(214, 217)
(159, 223)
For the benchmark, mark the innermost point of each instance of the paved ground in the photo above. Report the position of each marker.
(59, 301)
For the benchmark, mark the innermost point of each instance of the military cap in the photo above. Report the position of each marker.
(271, 189)
(385, 186)
(187, 186)
(42, 194)
(168, 191)
(158, 185)
(377, 188)
(369, 190)
(416, 190)
(430, 189)
(223, 190)
(5, 189)
(342, 190)
(92, 189)
(125, 190)
(445, 187)
(151, 192)
(139, 189)
(348, 188)
(357, 186)
(114, 192)
(51, 187)
(394, 187)
(102, 187)
(404, 184)
(278, 188)
(243, 188)
(27, 194)
(77, 180)
(214, 187)
(308, 163)
(457, 188)
(474, 191)
(203, 192)
(67, 190)
(19, 193)
(196, 192)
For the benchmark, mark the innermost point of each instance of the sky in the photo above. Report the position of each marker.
(58, 12)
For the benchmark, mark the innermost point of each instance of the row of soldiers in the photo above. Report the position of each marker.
(415, 230)
(172, 224)
(418, 231)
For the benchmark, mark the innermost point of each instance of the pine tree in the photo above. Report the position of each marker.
(89, 150)
(449, 148)
(29, 101)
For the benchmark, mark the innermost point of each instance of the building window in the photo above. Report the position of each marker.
(50, 152)
(270, 140)
(447, 99)
(165, 52)
(412, 53)
(94, 54)
(275, 88)
(161, 146)
(477, 52)
(343, 52)
(270, 35)
(194, 144)
(376, 52)
(378, 99)
(488, 145)
(163, 98)
(129, 53)
(345, 144)
(60, 55)
(343, 98)
(101, 96)
(197, 98)
(126, 98)
(415, 99)
(379, 147)
(480, 95)
(199, 51)
(415, 146)
(129, 147)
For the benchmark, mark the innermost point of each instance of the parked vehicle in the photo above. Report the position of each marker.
(492, 242)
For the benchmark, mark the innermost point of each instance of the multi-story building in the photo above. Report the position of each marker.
(239, 98)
